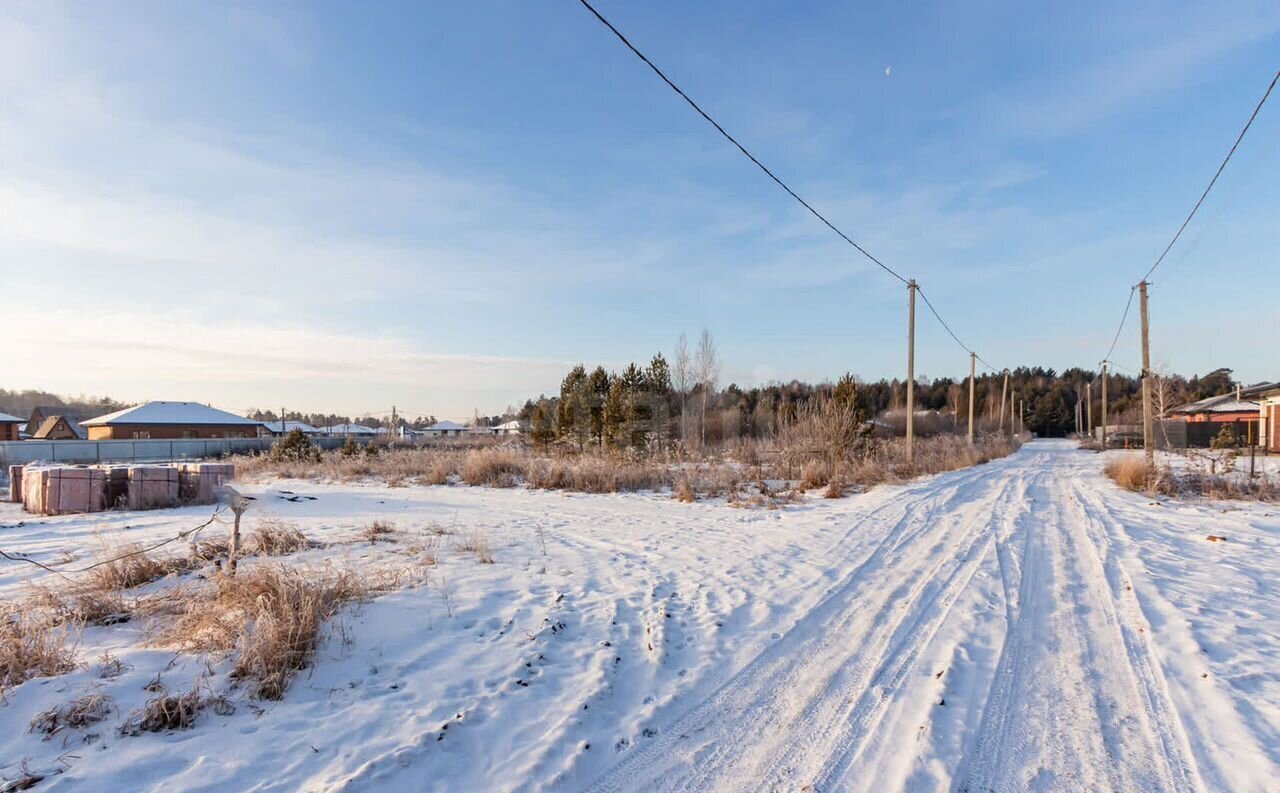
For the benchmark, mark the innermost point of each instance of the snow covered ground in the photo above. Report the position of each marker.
(1021, 625)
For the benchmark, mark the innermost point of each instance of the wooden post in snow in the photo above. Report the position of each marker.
(973, 366)
(1004, 399)
(1148, 434)
(911, 369)
(1104, 406)
(1088, 408)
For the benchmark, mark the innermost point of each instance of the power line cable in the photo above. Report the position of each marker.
(180, 535)
(706, 116)
(1214, 180)
(735, 142)
(947, 328)
(1116, 339)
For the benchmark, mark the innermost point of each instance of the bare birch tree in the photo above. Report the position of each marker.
(707, 364)
(682, 378)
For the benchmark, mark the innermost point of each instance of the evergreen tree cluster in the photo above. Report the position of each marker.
(623, 410)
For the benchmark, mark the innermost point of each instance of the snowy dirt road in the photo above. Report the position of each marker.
(1022, 625)
(1078, 698)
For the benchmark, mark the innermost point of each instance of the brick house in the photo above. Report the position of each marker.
(10, 426)
(170, 421)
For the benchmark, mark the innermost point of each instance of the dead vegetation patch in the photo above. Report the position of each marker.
(166, 712)
(476, 543)
(32, 645)
(496, 467)
(275, 537)
(378, 530)
(79, 713)
(270, 615)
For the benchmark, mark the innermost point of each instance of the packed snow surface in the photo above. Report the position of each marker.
(1018, 626)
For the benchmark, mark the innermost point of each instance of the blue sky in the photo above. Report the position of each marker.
(340, 206)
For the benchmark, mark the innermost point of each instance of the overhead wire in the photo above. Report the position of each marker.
(767, 171)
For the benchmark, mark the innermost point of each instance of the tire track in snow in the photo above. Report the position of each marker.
(711, 739)
(1065, 707)
(1178, 767)
(820, 760)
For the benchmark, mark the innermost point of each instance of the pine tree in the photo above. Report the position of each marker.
(598, 391)
(573, 414)
(541, 426)
(638, 412)
(615, 414)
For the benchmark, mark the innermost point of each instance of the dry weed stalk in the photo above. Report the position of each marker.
(77, 714)
(33, 645)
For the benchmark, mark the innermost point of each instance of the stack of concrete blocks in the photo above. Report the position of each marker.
(152, 487)
(199, 483)
(63, 490)
(15, 484)
(117, 492)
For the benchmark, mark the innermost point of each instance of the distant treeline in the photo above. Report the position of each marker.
(21, 403)
(594, 406)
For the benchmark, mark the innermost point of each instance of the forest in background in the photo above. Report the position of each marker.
(683, 400)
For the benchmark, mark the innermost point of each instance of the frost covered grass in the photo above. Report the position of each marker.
(818, 448)
(270, 615)
(1196, 474)
(33, 645)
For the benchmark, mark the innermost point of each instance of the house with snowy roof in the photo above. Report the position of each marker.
(445, 429)
(170, 421)
(10, 427)
(277, 428)
(349, 431)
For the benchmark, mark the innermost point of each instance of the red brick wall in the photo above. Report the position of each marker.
(9, 432)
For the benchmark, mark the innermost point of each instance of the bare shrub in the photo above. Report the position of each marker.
(32, 645)
(271, 615)
(274, 537)
(495, 467)
(815, 474)
(599, 473)
(77, 714)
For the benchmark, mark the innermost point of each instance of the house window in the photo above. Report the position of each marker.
(188, 434)
(139, 435)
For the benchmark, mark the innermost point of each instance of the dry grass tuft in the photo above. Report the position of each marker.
(683, 491)
(271, 615)
(32, 644)
(476, 543)
(494, 467)
(1132, 472)
(274, 537)
(167, 712)
(83, 604)
(77, 714)
(135, 569)
(378, 530)
(836, 488)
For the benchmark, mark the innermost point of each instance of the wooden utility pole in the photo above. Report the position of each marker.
(1004, 399)
(911, 370)
(973, 367)
(1148, 435)
(1088, 407)
(1104, 406)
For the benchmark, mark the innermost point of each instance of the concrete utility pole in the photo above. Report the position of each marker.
(911, 371)
(973, 367)
(1104, 406)
(1148, 435)
(1004, 399)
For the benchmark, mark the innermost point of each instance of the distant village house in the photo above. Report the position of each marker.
(170, 421)
(10, 427)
